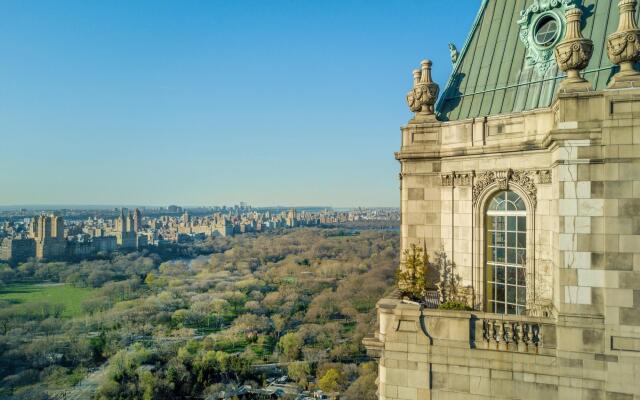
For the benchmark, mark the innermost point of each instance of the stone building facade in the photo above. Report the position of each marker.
(126, 229)
(16, 250)
(526, 173)
(48, 233)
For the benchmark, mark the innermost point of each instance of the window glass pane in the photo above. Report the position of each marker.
(499, 308)
(521, 257)
(522, 242)
(521, 276)
(511, 239)
(499, 274)
(498, 223)
(511, 294)
(522, 296)
(522, 224)
(520, 204)
(511, 275)
(496, 204)
(511, 309)
(499, 239)
(511, 256)
(500, 255)
(500, 292)
(511, 196)
(511, 223)
(519, 310)
(511, 206)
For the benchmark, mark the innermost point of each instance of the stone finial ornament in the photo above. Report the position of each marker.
(573, 54)
(623, 46)
(422, 98)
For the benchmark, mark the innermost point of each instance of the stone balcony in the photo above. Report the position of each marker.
(401, 321)
(426, 351)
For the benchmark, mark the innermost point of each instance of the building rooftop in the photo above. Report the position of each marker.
(508, 64)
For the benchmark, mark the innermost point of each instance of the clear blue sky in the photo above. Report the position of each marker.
(273, 102)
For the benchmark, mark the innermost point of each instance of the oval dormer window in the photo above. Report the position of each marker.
(547, 30)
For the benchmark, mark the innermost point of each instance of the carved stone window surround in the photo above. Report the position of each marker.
(527, 180)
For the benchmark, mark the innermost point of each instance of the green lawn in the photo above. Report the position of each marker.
(67, 295)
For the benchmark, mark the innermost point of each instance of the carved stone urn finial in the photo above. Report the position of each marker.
(573, 54)
(422, 98)
(623, 46)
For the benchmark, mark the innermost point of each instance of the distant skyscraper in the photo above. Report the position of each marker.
(125, 230)
(291, 218)
(48, 233)
(137, 220)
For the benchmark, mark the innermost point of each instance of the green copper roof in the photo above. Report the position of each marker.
(492, 75)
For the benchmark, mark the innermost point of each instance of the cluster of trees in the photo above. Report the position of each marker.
(303, 299)
(94, 273)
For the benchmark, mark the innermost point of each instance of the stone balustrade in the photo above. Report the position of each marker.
(515, 333)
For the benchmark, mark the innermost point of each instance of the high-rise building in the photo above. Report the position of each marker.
(125, 233)
(186, 218)
(523, 179)
(137, 220)
(291, 218)
(16, 250)
(48, 234)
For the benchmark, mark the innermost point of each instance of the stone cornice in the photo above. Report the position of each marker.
(465, 151)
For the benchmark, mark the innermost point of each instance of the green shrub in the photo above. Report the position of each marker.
(455, 305)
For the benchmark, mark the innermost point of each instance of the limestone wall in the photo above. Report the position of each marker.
(435, 355)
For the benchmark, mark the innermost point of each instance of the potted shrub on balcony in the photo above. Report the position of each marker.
(432, 285)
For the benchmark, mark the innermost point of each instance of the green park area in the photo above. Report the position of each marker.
(66, 295)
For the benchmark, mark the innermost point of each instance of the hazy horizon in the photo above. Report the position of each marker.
(156, 206)
(192, 102)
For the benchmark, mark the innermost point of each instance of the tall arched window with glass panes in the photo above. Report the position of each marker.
(506, 238)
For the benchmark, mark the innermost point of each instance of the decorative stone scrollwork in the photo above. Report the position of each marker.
(623, 46)
(541, 56)
(422, 98)
(524, 180)
(573, 54)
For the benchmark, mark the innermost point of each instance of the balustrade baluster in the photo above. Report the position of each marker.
(517, 338)
(540, 336)
(536, 335)
(485, 330)
(492, 331)
(502, 334)
(508, 337)
(522, 346)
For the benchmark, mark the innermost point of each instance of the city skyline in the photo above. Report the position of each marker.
(106, 207)
(212, 103)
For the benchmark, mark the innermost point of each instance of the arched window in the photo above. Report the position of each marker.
(506, 238)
